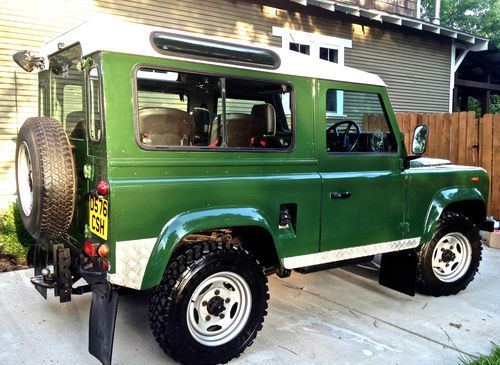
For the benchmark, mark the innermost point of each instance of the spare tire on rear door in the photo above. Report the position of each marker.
(45, 176)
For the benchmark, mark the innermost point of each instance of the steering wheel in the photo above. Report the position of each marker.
(341, 141)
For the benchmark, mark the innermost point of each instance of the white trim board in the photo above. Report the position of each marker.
(349, 253)
(298, 36)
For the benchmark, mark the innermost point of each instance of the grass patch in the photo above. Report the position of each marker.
(491, 359)
(15, 241)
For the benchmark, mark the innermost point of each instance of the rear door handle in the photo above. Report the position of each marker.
(340, 195)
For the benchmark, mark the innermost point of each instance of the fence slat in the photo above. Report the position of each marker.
(462, 138)
(454, 142)
(495, 173)
(413, 124)
(406, 128)
(445, 139)
(472, 134)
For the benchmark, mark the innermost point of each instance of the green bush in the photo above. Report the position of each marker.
(14, 239)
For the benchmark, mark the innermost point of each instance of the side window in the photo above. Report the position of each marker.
(95, 105)
(362, 128)
(191, 111)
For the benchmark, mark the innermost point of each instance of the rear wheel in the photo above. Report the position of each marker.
(210, 304)
(449, 262)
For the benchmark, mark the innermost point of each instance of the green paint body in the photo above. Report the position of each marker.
(169, 194)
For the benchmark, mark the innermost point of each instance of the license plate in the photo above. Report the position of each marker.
(98, 216)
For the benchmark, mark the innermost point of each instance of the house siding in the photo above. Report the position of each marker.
(415, 66)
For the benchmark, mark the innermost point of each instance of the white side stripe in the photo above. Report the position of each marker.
(349, 253)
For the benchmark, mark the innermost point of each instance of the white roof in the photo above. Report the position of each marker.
(108, 34)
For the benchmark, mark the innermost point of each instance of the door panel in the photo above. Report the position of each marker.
(362, 182)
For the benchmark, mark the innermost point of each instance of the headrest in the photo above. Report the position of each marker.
(201, 118)
(267, 113)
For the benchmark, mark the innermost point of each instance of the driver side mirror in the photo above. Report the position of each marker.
(419, 142)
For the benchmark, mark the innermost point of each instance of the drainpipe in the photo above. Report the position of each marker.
(437, 12)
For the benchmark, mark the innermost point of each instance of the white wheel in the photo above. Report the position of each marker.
(25, 179)
(451, 257)
(210, 303)
(219, 308)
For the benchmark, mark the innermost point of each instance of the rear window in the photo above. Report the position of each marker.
(68, 105)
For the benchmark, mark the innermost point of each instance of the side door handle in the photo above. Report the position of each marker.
(340, 195)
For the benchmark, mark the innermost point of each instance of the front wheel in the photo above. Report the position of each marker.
(449, 262)
(210, 304)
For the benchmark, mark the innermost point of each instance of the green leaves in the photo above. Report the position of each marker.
(14, 240)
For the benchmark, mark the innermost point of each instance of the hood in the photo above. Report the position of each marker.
(426, 161)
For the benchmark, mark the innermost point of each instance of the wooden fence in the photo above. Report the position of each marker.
(463, 139)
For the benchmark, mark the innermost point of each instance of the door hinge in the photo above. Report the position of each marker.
(405, 227)
(88, 172)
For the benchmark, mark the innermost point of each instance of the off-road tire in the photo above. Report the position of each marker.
(427, 281)
(170, 299)
(52, 178)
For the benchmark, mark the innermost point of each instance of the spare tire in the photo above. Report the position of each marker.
(45, 177)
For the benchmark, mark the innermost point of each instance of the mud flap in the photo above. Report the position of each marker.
(398, 271)
(102, 322)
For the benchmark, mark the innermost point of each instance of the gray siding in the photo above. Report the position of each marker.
(415, 68)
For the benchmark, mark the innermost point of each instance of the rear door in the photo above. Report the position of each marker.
(362, 182)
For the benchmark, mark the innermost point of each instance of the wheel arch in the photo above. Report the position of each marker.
(463, 200)
(250, 222)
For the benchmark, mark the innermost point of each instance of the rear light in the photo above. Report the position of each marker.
(105, 265)
(475, 179)
(103, 187)
(103, 250)
(90, 248)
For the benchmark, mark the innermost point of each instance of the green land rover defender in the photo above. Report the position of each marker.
(196, 167)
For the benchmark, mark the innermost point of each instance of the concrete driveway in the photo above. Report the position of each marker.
(339, 316)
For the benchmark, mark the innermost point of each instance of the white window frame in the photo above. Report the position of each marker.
(315, 42)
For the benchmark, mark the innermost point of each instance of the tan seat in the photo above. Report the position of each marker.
(242, 128)
(165, 126)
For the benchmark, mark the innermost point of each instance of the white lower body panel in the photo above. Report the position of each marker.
(349, 253)
(131, 261)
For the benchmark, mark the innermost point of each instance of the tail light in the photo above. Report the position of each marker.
(103, 250)
(91, 248)
(103, 187)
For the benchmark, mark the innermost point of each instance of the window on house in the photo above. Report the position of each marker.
(189, 111)
(329, 54)
(301, 48)
(328, 48)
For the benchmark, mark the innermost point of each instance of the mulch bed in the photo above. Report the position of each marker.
(8, 263)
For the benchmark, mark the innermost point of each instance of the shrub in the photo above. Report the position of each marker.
(15, 241)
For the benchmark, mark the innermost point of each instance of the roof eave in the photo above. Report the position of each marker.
(468, 41)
